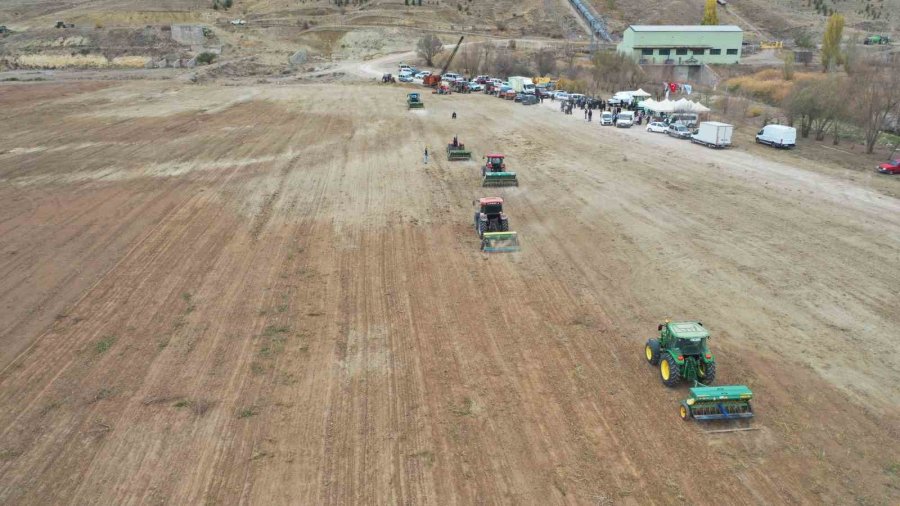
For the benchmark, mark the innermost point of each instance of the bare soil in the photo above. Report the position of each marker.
(260, 294)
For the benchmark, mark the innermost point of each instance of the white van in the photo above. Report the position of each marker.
(626, 119)
(780, 136)
(606, 119)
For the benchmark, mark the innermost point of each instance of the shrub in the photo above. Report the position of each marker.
(205, 58)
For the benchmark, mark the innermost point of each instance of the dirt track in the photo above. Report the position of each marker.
(259, 294)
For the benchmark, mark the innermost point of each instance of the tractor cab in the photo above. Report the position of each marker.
(495, 163)
(491, 206)
(413, 97)
(688, 337)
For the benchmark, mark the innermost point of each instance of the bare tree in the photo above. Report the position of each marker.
(615, 71)
(470, 58)
(876, 95)
(545, 61)
(429, 46)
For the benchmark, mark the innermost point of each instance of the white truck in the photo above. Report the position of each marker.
(779, 136)
(521, 84)
(713, 134)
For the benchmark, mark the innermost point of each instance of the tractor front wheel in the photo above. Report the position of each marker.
(685, 413)
(651, 351)
(707, 372)
(669, 371)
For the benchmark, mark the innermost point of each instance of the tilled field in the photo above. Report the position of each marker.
(260, 294)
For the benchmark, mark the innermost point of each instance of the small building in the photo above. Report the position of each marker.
(683, 44)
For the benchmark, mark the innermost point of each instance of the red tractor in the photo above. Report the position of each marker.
(490, 216)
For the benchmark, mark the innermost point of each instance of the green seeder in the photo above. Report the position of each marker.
(717, 403)
(458, 152)
(499, 242)
(500, 179)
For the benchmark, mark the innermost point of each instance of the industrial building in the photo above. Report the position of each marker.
(683, 45)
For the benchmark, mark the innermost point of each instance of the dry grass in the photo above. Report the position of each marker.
(51, 61)
(768, 85)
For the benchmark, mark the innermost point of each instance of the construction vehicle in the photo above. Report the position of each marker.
(457, 151)
(876, 40)
(682, 353)
(435, 79)
(414, 101)
(494, 172)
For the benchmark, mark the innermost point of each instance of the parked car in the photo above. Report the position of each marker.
(405, 78)
(473, 86)
(606, 119)
(561, 95)
(657, 127)
(422, 75)
(892, 167)
(450, 76)
(679, 131)
(482, 79)
(529, 99)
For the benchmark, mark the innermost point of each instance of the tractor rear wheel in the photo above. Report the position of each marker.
(707, 372)
(651, 351)
(504, 225)
(669, 371)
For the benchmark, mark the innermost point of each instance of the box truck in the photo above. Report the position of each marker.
(522, 84)
(713, 134)
(779, 136)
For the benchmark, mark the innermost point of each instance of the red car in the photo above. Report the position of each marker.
(892, 167)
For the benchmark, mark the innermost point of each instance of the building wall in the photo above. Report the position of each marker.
(682, 46)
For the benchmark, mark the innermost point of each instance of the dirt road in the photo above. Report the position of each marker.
(260, 294)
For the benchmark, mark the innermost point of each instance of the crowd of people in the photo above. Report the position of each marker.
(590, 104)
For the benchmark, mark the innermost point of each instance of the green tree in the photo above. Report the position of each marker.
(710, 16)
(831, 42)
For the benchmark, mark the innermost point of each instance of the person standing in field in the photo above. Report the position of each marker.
(426, 156)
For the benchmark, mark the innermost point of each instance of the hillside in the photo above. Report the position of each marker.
(274, 30)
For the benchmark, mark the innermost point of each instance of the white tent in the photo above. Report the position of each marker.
(657, 107)
(639, 93)
(685, 105)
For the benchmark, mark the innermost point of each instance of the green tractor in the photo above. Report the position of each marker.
(682, 353)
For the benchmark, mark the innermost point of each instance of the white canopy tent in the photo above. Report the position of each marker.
(685, 105)
(640, 93)
(658, 107)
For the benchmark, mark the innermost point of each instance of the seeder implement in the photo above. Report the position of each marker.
(458, 152)
(717, 403)
(499, 242)
(500, 179)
